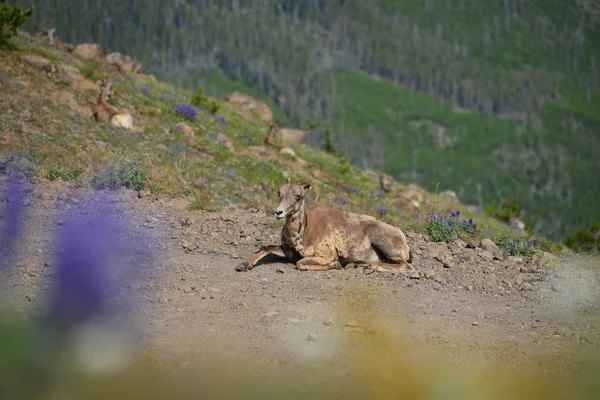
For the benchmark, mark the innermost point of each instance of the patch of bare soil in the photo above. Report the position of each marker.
(191, 304)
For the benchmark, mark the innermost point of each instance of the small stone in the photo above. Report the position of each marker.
(352, 324)
(556, 288)
(31, 297)
(486, 255)
(488, 244)
(516, 259)
(235, 256)
(528, 269)
(135, 286)
(475, 323)
(430, 275)
(471, 245)
(500, 254)
(270, 314)
(448, 264)
(329, 322)
(280, 270)
(311, 338)
(464, 257)
(469, 287)
(527, 286)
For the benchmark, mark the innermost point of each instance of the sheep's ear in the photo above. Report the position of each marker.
(288, 180)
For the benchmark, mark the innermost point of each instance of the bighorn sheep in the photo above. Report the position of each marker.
(104, 112)
(326, 238)
(270, 140)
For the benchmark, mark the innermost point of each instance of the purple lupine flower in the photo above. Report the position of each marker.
(340, 200)
(145, 90)
(90, 253)
(186, 111)
(176, 148)
(221, 120)
(354, 190)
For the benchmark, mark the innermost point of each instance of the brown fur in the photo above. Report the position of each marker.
(104, 112)
(270, 140)
(327, 238)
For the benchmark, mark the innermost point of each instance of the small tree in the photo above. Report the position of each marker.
(11, 19)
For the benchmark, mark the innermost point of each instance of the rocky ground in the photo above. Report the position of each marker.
(465, 303)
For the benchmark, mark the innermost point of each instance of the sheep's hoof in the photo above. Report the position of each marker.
(241, 268)
(367, 271)
(335, 265)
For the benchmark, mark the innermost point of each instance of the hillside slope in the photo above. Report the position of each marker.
(524, 72)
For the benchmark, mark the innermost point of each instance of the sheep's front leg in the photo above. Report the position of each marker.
(248, 265)
(318, 264)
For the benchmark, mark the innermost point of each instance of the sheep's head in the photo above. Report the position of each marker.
(291, 197)
(105, 88)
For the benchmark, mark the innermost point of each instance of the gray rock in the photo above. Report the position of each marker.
(471, 245)
(448, 264)
(38, 62)
(311, 338)
(486, 255)
(500, 254)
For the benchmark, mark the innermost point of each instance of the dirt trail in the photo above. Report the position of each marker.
(191, 304)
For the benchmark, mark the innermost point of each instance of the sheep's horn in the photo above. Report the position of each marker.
(311, 184)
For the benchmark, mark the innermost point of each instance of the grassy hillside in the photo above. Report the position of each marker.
(511, 87)
(47, 133)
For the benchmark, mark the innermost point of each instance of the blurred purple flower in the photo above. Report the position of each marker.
(13, 218)
(90, 253)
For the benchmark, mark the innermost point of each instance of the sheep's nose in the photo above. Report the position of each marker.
(278, 213)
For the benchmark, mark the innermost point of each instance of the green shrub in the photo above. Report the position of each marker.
(584, 240)
(57, 173)
(507, 210)
(129, 174)
(11, 19)
(446, 229)
(201, 101)
(522, 245)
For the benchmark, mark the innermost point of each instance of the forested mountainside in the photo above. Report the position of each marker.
(493, 100)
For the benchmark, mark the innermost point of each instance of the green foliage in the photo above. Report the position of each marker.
(328, 142)
(11, 19)
(508, 209)
(522, 245)
(584, 240)
(128, 174)
(447, 229)
(56, 172)
(439, 231)
(90, 70)
(199, 100)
